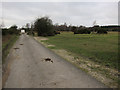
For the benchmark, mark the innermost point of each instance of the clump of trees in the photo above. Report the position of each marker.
(111, 27)
(99, 30)
(44, 27)
(56, 32)
(102, 31)
(4, 31)
(29, 28)
(74, 29)
(81, 30)
(87, 30)
(12, 30)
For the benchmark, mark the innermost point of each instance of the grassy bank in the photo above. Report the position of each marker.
(7, 43)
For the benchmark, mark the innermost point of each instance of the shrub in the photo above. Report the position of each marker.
(82, 31)
(74, 29)
(30, 33)
(101, 31)
(44, 27)
(56, 32)
(4, 31)
(13, 30)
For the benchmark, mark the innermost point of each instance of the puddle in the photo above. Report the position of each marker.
(85, 44)
(21, 44)
(16, 48)
(48, 60)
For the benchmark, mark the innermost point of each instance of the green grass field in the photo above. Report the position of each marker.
(102, 49)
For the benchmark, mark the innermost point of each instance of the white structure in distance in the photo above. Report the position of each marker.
(22, 31)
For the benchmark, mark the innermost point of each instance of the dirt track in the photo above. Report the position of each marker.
(29, 68)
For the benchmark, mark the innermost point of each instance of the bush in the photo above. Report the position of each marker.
(13, 30)
(44, 27)
(82, 31)
(74, 29)
(4, 31)
(56, 32)
(30, 33)
(101, 31)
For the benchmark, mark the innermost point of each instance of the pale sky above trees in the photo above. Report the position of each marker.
(74, 13)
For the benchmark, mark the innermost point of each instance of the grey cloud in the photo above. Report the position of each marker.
(75, 13)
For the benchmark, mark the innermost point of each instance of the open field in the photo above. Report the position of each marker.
(102, 49)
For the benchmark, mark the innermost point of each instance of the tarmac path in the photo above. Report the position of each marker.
(29, 68)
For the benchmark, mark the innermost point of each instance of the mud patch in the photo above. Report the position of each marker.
(42, 84)
(16, 48)
(48, 84)
(48, 60)
(51, 45)
(21, 44)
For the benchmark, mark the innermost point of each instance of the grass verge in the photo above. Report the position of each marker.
(7, 42)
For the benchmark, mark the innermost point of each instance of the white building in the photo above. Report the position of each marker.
(22, 31)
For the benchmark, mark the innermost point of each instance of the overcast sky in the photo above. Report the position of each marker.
(74, 13)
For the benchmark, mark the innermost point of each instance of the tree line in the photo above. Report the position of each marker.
(44, 27)
(12, 30)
